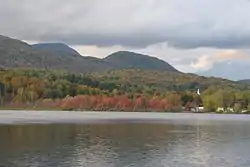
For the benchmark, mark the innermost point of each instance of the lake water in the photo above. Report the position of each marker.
(54, 139)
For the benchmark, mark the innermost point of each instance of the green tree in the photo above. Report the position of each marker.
(210, 103)
(187, 97)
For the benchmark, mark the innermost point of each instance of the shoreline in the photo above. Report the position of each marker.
(71, 117)
(60, 110)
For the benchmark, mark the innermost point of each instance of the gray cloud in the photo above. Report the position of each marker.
(133, 23)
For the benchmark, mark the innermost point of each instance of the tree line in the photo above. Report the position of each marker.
(63, 90)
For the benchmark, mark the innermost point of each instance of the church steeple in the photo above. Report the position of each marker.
(198, 92)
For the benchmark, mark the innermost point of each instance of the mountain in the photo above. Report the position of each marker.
(234, 70)
(59, 48)
(131, 60)
(15, 53)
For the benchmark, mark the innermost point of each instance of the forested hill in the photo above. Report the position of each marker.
(151, 80)
(131, 60)
(130, 90)
(15, 53)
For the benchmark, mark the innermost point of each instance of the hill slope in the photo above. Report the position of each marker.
(59, 48)
(130, 60)
(163, 81)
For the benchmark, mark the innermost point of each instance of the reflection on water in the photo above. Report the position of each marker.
(118, 145)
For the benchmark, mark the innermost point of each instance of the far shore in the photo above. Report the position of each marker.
(71, 117)
(34, 109)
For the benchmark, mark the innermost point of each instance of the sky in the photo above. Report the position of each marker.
(192, 35)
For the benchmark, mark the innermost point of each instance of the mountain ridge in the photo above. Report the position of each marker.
(18, 54)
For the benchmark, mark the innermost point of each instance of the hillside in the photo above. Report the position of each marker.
(130, 60)
(149, 80)
(59, 48)
(15, 53)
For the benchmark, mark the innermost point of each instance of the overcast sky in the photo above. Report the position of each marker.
(191, 35)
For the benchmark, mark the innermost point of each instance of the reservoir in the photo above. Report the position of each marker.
(113, 139)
